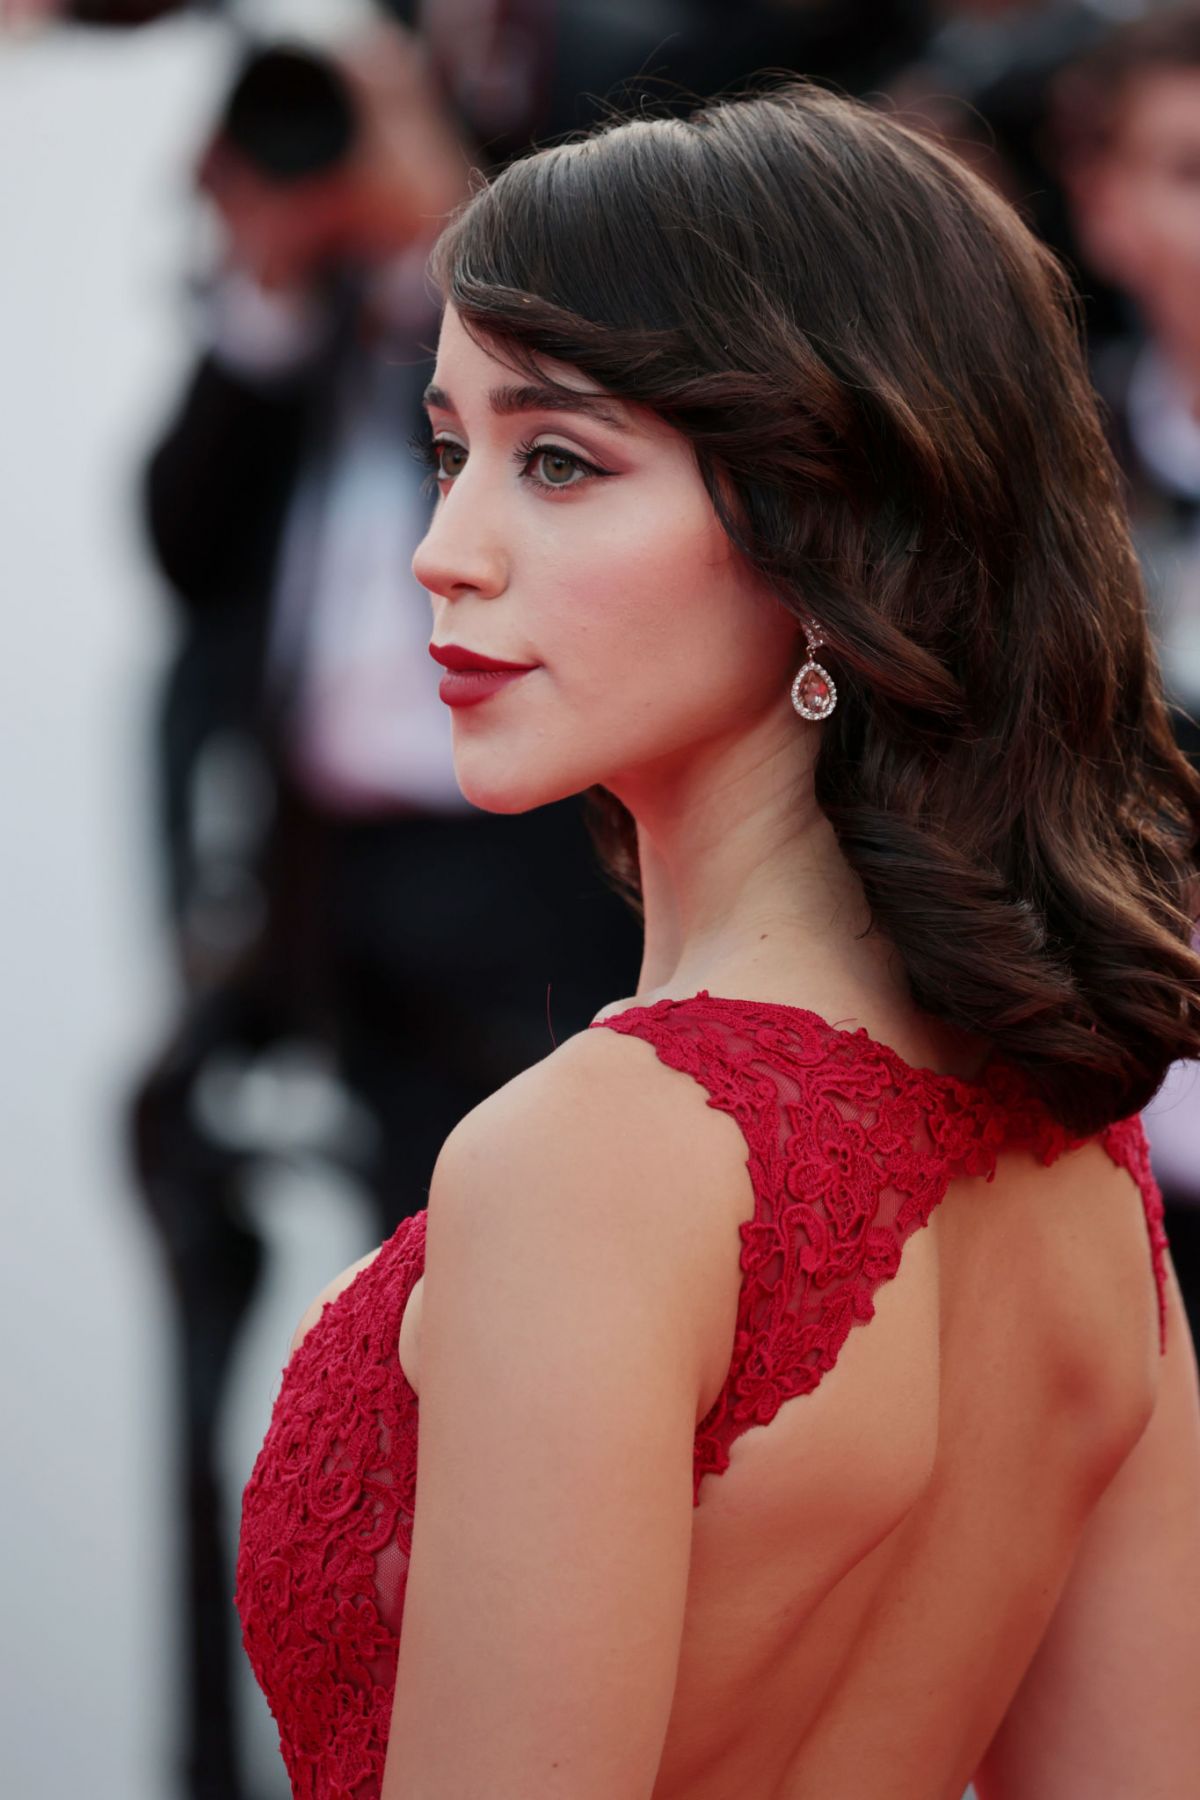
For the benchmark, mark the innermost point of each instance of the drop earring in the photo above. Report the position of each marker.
(814, 692)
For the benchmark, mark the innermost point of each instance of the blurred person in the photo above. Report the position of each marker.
(1128, 142)
(343, 915)
(802, 1395)
(983, 82)
(1128, 139)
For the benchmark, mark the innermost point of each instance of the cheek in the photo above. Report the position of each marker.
(653, 633)
(658, 634)
(645, 585)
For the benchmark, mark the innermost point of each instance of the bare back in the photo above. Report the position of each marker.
(873, 1572)
(875, 1567)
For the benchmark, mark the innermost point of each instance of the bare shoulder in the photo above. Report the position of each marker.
(581, 1275)
(603, 1107)
(600, 1150)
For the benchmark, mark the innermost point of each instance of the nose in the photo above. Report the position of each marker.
(461, 552)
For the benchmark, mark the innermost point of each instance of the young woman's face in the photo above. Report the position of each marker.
(588, 547)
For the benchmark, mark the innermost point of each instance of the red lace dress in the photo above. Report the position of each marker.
(849, 1149)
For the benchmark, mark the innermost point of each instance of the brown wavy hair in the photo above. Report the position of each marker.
(880, 371)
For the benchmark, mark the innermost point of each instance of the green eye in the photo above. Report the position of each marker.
(556, 464)
(561, 469)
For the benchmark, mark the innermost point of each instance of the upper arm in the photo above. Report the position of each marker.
(575, 1245)
(1108, 1707)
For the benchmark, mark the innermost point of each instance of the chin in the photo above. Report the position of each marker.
(494, 789)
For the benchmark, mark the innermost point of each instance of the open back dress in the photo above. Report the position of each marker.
(849, 1151)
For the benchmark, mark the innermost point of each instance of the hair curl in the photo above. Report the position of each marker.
(880, 371)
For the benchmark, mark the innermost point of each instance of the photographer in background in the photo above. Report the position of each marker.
(346, 922)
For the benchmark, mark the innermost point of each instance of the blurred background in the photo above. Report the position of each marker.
(259, 955)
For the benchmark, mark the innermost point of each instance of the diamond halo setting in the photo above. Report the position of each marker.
(814, 691)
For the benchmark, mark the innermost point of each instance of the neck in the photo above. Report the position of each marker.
(744, 887)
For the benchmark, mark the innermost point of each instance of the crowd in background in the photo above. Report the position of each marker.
(332, 902)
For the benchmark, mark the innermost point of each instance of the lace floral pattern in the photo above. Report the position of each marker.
(327, 1529)
(1127, 1145)
(848, 1149)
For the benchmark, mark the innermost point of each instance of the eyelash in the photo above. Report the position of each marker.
(426, 449)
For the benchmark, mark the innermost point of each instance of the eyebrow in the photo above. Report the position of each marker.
(534, 398)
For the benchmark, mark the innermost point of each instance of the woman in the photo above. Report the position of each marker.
(764, 452)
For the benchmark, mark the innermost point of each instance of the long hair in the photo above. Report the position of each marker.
(879, 369)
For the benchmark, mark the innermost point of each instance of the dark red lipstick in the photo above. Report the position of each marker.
(453, 656)
(471, 677)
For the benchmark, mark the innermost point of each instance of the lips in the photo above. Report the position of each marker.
(467, 687)
(453, 656)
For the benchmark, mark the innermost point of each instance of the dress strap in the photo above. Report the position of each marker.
(1127, 1145)
(849, 1149)
(846, 1159)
